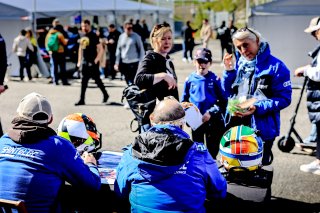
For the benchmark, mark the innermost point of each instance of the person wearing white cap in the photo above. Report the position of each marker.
(312, 71)
(35, 162)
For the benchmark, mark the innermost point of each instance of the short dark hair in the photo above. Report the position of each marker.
(86, 21)
(112, 26)
(23, 32)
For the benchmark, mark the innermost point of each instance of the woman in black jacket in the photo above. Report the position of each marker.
(156, 71)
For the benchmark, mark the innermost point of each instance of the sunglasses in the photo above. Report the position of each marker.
(158, 27)
(129, 28)
(244, 29)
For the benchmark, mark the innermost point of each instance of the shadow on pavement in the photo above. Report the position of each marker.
(236, 204)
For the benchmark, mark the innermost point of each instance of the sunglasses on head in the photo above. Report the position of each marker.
(159, 26)
(244, 29)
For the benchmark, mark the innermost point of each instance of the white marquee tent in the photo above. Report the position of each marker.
(282, 24)
(18, 14)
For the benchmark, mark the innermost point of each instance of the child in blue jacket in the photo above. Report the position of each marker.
(203, 89)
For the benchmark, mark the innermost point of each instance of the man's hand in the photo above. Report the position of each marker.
(111, 41)
(300, 70)
(116, 67)
(206, 117)
(2, 88)
(88, 158)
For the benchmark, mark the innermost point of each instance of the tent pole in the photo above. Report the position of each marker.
(34, 18)
(81, 8)
(114, 12)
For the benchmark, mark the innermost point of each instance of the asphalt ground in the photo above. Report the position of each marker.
(292, 189)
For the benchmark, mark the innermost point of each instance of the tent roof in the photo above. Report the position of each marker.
(49, 8)
(10, 12)
(288, 7)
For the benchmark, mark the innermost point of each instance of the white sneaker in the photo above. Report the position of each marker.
(313, 167)
(189, 60)
(184, 59)
(126, 106)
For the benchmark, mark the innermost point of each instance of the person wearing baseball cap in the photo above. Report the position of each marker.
(35, 162)
(203, 89)
(312, 72)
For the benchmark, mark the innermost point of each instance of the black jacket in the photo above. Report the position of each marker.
(151, 64)
(313, 92)
(3, 59)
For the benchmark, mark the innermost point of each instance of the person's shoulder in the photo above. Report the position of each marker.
(200, 147)
(213, 75)
(191, 76)
(60, 142)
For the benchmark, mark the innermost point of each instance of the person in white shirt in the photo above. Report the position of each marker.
(20, 46)
(312, 71)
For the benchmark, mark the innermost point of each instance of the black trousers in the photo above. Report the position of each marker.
(112, 61)
(129, 71)
(318, 140)
(210, 133)
(94, 73)
(59, 62)
(24, 64)
(188, 48)
(1, 131)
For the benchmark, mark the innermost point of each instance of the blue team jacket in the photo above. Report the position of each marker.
(35, 172)
(272, 77)
(203, 91)
(156, 188)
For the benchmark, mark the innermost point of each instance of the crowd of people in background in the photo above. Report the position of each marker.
(254, 72)
(28, 46)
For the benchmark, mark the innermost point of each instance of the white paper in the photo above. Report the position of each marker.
(193, 118)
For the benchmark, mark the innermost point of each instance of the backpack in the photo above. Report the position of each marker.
(141, 103)
(53, 42)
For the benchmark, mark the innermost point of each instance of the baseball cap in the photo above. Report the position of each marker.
(35, 107)
(204, 54)
(314, 25)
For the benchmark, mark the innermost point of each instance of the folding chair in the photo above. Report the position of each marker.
(7, 206)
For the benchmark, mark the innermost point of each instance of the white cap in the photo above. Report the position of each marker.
(314, 25)
(35, 107)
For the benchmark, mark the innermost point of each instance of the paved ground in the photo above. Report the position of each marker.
(292, 189)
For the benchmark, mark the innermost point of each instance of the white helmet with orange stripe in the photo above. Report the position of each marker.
(81, 131)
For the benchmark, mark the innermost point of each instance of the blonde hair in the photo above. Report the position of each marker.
(158, 31)
(247, 33)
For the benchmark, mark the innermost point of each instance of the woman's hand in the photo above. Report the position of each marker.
(228, 62)
(250, 111)
(172, 83)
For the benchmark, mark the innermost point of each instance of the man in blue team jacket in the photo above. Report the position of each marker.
(164, 171)
(35, 162)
